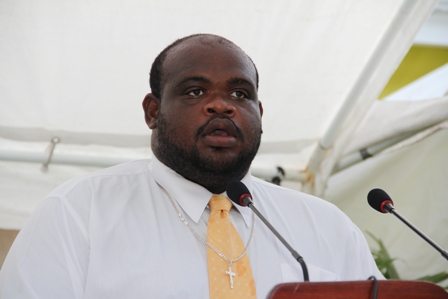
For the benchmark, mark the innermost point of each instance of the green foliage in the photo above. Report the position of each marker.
(385, 264)
(383, 260)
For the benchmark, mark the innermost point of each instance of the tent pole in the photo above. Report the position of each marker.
(409, 10)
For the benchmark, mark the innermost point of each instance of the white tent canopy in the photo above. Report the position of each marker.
(78, 71)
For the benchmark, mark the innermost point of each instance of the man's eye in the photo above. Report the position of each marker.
(238, 94)
(196, 92)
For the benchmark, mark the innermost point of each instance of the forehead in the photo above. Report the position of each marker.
(197, 58)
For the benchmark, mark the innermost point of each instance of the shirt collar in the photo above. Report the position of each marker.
(191, 197)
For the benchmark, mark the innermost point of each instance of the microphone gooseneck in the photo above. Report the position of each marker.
(381, 201)
(239, 194)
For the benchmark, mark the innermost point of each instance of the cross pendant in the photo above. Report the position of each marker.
(231, 275)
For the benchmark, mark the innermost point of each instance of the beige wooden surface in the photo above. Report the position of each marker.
(6, 239)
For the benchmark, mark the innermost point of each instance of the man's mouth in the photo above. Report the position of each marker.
(220, 132)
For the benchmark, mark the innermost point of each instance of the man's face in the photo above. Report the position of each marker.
(209, 119)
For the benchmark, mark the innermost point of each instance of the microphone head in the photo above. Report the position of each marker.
(378, 198)
(237, 191)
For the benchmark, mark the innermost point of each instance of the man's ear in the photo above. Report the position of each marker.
(151, 105)
(260, 106)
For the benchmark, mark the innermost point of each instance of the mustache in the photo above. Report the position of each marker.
(201, 129)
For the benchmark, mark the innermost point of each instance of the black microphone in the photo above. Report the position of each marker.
(381, 201)
(240, 195)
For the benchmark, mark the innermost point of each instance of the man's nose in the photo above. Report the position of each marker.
(219, 105)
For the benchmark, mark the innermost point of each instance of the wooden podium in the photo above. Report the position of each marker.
(387, 289)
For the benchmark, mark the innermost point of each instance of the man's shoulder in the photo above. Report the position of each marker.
(127, 168)
(275, 195)
(110, 174)
(293, 204)
(104, 192)
(271, 189)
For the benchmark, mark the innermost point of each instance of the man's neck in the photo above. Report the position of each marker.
(216, 183)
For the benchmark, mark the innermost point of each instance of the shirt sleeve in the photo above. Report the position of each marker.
(49, 257)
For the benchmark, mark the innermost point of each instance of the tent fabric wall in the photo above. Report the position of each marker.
(415, 175)
(412, 169)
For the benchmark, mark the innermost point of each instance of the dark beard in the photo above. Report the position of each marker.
(212, 174)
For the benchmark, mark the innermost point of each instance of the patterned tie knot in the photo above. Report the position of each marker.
(219, 203)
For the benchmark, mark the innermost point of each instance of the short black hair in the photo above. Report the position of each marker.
(156, 80)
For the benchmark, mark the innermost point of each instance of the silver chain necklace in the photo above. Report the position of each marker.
(229, 271)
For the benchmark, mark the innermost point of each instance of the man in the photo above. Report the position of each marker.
(140, 230)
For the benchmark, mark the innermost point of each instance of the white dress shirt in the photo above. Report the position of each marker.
(115, 234)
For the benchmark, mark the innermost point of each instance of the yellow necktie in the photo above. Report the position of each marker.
(227, 278)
